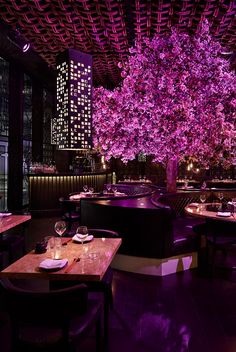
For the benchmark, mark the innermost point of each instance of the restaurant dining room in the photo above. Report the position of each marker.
(118, 175)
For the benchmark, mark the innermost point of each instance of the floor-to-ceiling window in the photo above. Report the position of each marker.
(4, 127)
(27, 134)
(48, 150)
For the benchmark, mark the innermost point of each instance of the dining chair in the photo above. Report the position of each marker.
(13, 245)
(70, 213)
(221, 240)
(52, 320)
(104, 286)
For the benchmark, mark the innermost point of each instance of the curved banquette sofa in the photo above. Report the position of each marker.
(157, 236)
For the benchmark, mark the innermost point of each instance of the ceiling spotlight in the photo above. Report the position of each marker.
(17, 39)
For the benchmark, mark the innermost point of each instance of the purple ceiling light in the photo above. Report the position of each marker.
(17, 39)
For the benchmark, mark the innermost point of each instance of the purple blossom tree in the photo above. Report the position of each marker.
(177, 100)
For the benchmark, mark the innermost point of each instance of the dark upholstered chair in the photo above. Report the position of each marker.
(104, 286)
(70, 213)
(13, 245)
(53, 320)
(220, 239)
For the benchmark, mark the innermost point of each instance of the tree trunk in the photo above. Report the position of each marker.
(171, 175)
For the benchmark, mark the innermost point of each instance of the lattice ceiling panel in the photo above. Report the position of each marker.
(107, 28)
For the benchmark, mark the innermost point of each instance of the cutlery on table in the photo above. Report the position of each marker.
(75, 260)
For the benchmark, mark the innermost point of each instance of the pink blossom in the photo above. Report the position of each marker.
(177, 99)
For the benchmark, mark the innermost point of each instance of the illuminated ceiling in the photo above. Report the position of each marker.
(107, 28)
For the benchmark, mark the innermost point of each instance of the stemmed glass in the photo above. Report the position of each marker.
(91, 190)
(82, 233)
(60, 227)
(202, 199)
(114, 189)
(85, 188)
(220, 196)
(108, 187)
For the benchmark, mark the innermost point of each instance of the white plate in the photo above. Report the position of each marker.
(75, 238)
(53, 264)
(224, 214)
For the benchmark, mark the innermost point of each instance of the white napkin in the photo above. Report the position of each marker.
(53, 263)
(194, 204)
(120, 194)
(226, 213)
(5, 214)
(77, 238)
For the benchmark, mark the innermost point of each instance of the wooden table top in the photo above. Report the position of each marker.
(11, 221)
(86, 269)
(199, 210)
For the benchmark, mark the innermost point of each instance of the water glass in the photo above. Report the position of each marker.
(54, 246)
(57, 252)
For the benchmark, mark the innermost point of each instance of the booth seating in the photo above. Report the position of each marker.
(147, 231)
(211, 236)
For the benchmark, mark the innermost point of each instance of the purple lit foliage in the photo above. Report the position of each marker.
(177, 99)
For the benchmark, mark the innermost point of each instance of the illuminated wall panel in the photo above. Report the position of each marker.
(74, 101)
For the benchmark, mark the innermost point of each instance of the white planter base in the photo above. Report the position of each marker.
(155, 267)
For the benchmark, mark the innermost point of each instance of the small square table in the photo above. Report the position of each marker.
(86, 269)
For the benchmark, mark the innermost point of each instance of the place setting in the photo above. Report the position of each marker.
(82, 236)
(52, 246)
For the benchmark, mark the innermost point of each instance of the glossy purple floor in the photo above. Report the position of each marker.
(176, 313)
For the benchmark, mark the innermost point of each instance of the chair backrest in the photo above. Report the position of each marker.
(68, 207)
(51, 308)
(103, 233)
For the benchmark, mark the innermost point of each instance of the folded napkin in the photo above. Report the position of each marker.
(120, 194)
(77, 238)
(5, 214)
(77, 196)
(53, 263)
(225, 213)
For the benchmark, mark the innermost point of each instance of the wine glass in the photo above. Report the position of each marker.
(85, 188)
(82, 233)
(60, 227)
(108, 186)
(114, 189)
(203, 198)
(220, 196)
(91, 190)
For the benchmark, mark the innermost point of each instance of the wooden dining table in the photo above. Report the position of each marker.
(204, 211)
(86, 269)
(8, 222)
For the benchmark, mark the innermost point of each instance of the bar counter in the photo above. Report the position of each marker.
(46, 189)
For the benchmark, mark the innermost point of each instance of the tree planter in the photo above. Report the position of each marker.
(171, 175)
